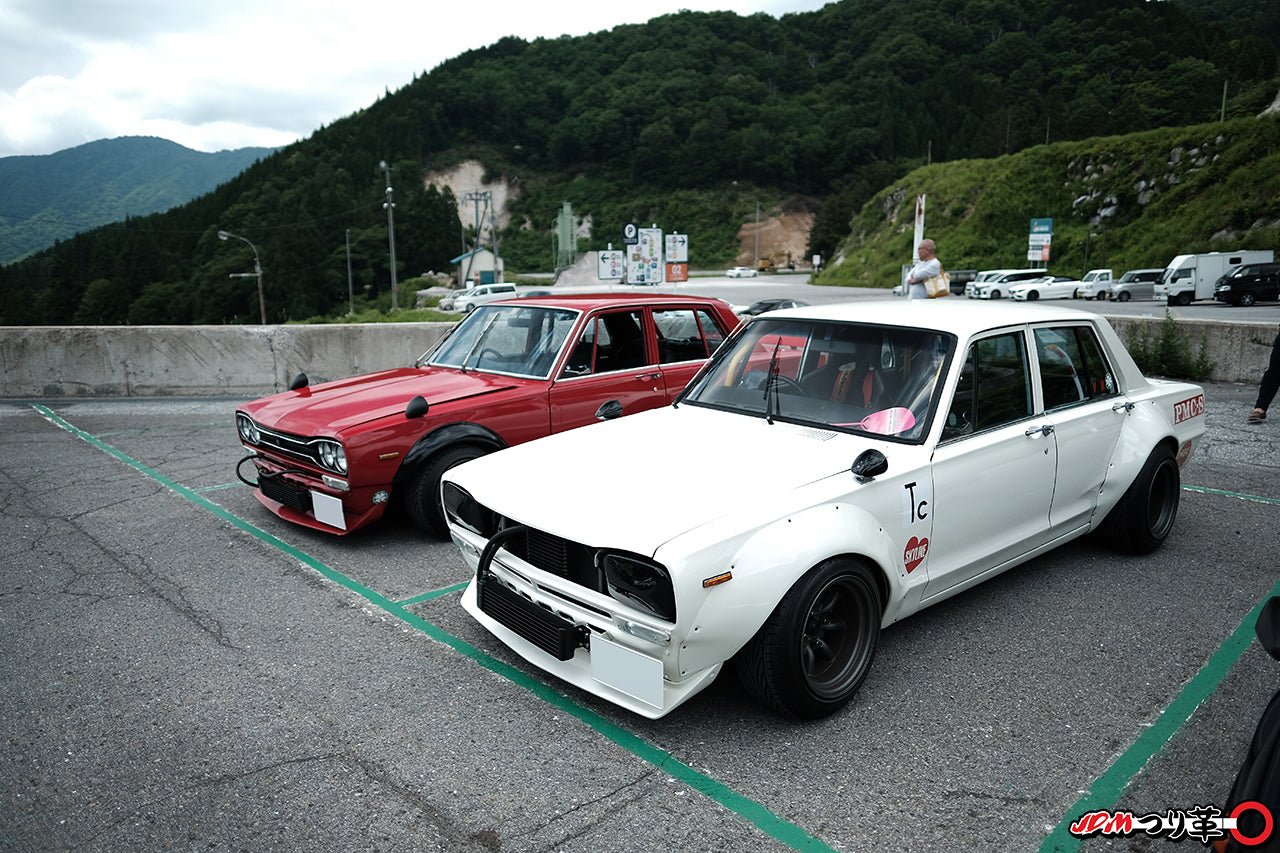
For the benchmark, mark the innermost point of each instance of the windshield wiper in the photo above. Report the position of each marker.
(484, 333)
(771, 402)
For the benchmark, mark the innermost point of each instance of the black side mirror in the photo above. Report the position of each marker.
(869, 465)
(417, 407)
(300, 381)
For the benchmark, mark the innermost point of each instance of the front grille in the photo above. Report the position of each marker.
(547, 552)
(289, 445)
(278, 489)
(555, 636)
(557, 556)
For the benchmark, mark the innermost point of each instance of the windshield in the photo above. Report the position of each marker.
(850, 377)
(514, 339)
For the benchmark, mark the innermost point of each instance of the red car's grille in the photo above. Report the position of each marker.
(285, 444)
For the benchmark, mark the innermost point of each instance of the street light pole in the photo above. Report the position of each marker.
(391, 233)
(257, 270)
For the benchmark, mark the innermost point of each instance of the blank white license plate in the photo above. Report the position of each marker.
(328, 510)
(626, 670)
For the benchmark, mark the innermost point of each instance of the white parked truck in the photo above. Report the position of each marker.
(1191, 277)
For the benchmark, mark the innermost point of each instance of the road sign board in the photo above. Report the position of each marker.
(610, 264)
(677, 248)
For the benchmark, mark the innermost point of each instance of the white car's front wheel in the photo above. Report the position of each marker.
(812, 654)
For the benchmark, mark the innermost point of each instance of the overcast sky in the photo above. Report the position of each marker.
(221, 74)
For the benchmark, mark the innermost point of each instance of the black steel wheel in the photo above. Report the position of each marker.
(813, 653)
(1145, 515)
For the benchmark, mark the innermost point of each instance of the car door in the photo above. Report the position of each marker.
(1083, 407)
(993, 468)
(610, 371)
(686, 338)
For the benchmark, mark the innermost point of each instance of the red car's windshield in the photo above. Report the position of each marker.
(513, 339)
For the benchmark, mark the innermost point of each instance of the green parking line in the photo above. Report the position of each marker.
(758, 815)
(1253, 498)
(428, 596)
(1107, 788)
(217, 488)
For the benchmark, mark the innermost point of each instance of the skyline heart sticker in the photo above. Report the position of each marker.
(915, 552)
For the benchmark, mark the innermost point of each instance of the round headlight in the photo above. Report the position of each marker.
(333, 457)
(248, 429)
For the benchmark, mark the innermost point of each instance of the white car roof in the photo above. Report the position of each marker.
(962, 317)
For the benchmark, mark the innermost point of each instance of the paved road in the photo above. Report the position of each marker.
(183, 671)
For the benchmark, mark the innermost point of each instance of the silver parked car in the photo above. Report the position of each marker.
(1135, 284)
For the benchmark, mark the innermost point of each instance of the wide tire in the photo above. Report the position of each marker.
(422, 499)
(1145, 515)
(812, 654)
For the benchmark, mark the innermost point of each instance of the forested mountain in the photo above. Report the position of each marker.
(689, 121)
(49, 197)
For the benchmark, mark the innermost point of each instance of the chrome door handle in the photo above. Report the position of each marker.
(1047, 429)
(1126, 406)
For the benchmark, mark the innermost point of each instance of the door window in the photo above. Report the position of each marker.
(1072, 369)
(994, 387)
(612, 341)
(686, 334)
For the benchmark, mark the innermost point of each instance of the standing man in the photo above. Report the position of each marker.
(1267, 390)
(927, 267)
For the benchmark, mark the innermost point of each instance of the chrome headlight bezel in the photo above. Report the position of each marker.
(248, 429)
(331, 455)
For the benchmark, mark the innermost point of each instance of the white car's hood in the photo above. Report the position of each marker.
(639, 481)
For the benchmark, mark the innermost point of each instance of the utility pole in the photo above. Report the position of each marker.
(391, 234)
(478, 196)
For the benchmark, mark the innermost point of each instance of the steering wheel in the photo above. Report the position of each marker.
(487, 351)
(788, 384)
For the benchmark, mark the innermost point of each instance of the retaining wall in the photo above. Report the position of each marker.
(250, 361)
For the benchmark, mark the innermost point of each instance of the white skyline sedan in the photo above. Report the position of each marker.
(905, 452)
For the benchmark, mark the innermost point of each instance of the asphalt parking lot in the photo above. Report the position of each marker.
(183, 671)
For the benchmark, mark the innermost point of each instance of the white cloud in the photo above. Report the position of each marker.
(254, 72)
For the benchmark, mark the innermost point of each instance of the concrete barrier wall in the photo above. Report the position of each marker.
(1239, 351)
(199, 361)
(250, 361)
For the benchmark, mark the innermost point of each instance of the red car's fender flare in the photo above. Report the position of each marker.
(448, 435)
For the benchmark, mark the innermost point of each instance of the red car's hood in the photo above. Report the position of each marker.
(331, 407)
